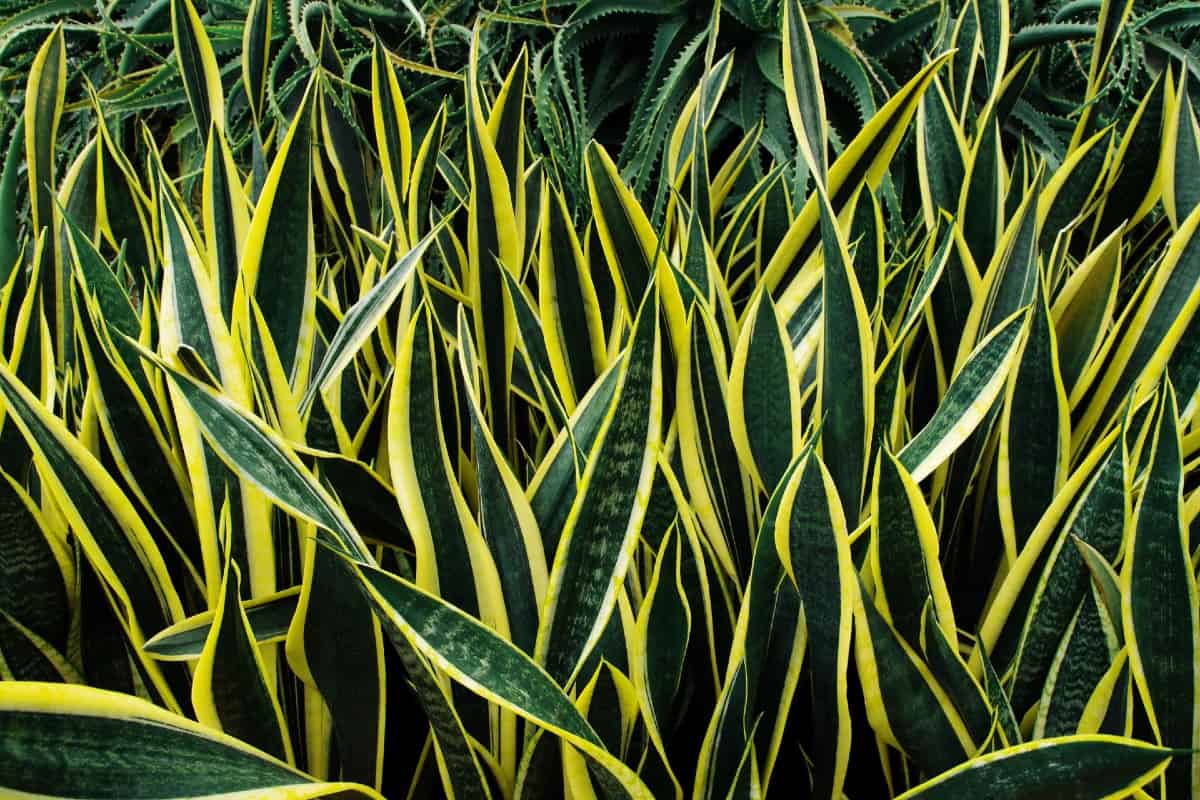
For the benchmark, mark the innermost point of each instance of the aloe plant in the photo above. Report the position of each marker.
(387, 463)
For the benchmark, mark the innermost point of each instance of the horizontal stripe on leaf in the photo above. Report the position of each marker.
(34, 582)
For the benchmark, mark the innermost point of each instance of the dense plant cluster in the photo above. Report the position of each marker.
(601, 399)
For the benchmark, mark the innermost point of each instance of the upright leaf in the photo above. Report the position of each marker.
(1159, 605)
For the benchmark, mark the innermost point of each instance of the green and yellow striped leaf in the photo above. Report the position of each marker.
(267, 618)
(764, 396)
(1067, 768)
(45, 93)
(75, 741)
(966, 402)
(606, 516)
(813, 544)
(491, 667)
(112, 535)
(198, 68)
(1159, 604)
(231, 691)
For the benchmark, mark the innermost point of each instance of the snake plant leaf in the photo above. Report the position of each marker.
(954, 676)
(112, 535)
(9, 245)
(279, 259)
(131, 428)
(1181, 157)
(1073, 186)
(25, 656)
(867, 229)
(343, 168)
(567, 304)
(424, 169)
(489, 666)
(904, 555)
(361, 319)
(968, 399)
(923, 293)
(76, 741)
(1011, 279)
(994, 35)
(256, 49)
(506, 520)
(1106, 582)
(664, 626)
(1113, 17)
(845, 390)
(1150, 329)
(631, 248)
(1083, 658)
(431, 500)
(719, 495)
(980, 207)
(905, 703)
(231, 691)
(190, 316)
(998, 699)
(38, 569)
(97, 277)
(942, 153)
(764, 396)
(610, 505)
(1159, 603)
(1109, 709)
(770, 632)
(45, 95)
(336, 645)
(1084, 307)
(198, 67)
(1063, 768)
(813, 543)
(1132, 187)
(1099, 519)
(802, 84)
(267, 620)
(260, 455)
(1035, 431)
(493, 243)
(506, 128)
(226, 215)
(864, 160)
(555, 485)
(532, 346)
(393, 134)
